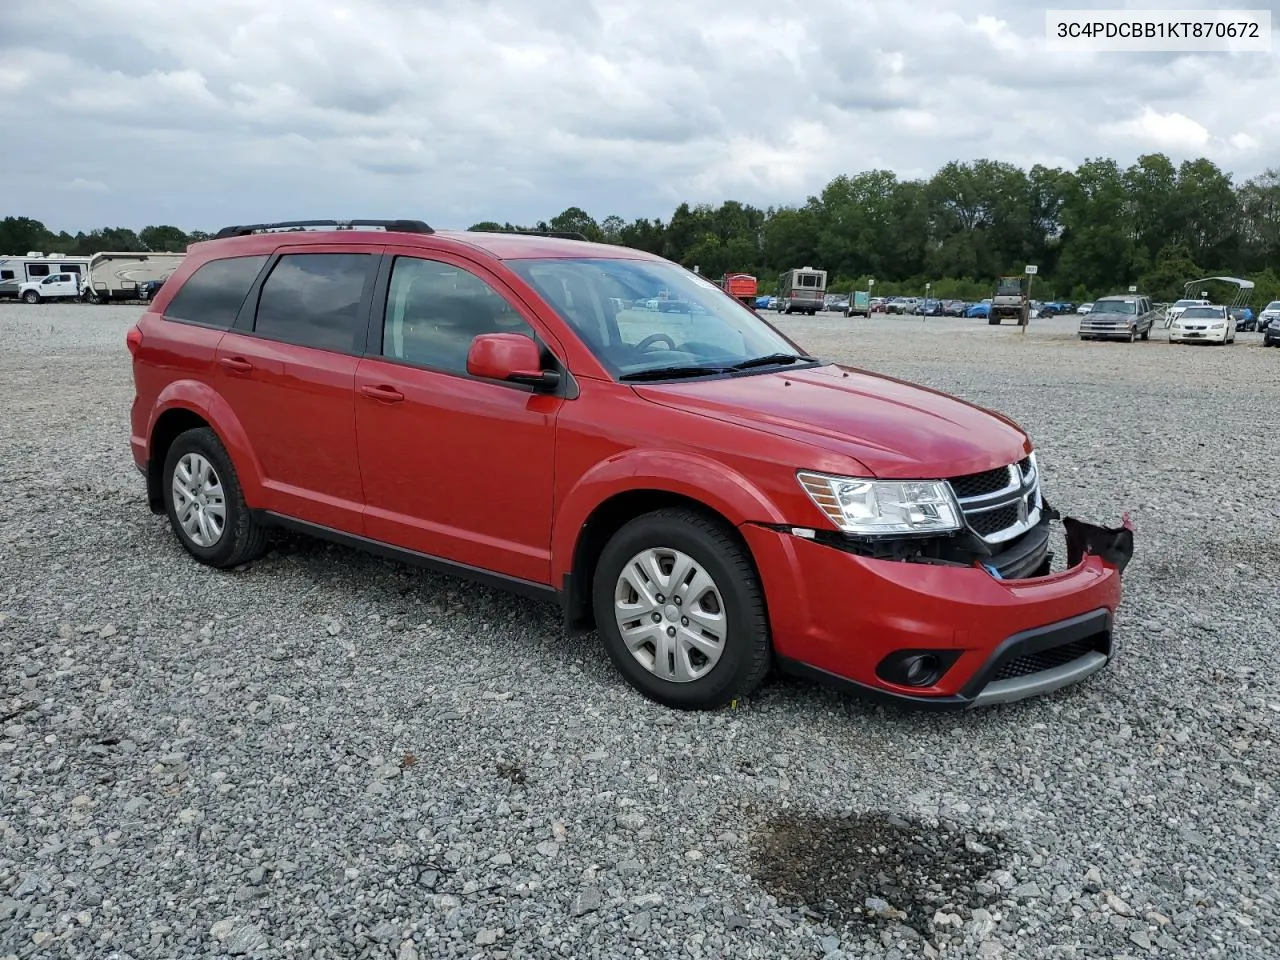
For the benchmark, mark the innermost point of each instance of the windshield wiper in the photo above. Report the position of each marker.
(670, 373)
(769, 360)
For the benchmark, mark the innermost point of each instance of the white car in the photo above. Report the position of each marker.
(56, 286)
(1269, 314)
(1175, 311)
(1204, 324)
(1084, 308)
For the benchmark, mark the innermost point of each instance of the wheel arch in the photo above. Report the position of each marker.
(605, 520)
(187, 405)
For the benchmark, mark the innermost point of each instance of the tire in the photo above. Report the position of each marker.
(1133, 335)
(993, 321)
(1146, 334)
(744, 649)
(31, 297)
(241, 538)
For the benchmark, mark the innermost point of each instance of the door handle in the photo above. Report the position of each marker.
(382, 392)
(236, 364)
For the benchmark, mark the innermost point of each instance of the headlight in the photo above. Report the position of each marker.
(882, 507)
(1217, 326)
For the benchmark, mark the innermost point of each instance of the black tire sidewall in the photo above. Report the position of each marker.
(203, 442)
(741, 597)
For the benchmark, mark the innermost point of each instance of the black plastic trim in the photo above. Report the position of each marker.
(834, 681)
(1042, 638)
(527, 588)
(397, 226)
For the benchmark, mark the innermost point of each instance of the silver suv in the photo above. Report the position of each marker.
(1127, 317)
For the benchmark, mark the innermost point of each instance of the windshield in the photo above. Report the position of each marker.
(1116, 306)
(1188, 303)
(654, 316)
(1201, 313)
(1273, 305)
(1009, 288)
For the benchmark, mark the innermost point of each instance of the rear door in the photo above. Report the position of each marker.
(287, 369)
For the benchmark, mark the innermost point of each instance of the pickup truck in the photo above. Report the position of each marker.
(56, 286)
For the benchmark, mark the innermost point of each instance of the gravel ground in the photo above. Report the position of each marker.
(329, 755)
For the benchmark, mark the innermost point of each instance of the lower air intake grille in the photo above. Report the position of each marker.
(1045, 659)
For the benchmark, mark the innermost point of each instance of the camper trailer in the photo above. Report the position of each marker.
(118, 276)
(34, 267)
(802, 290)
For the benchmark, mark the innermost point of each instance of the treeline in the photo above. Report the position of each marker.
(1093, 230)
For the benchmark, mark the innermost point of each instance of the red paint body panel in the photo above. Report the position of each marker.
(895, 430)
(297, 406)
(461, 469)
(843, 613)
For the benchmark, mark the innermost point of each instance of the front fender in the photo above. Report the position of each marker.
(209, 405)
(685, 474)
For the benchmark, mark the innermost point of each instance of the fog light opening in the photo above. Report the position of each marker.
(921, 670)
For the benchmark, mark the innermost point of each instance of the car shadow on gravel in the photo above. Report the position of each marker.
(873, 868)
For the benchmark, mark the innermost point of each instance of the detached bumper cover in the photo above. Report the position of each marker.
(837, 615)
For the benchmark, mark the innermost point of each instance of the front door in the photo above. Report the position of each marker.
(453, 466)
(289, 376)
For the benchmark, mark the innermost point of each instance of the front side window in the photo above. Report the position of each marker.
(313, 300)
(435, 310)
(695, 327)
(212, 296)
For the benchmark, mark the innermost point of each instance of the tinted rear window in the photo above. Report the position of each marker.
(313, 299)
(213, 294)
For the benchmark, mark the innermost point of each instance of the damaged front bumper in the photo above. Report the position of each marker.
(989, 627)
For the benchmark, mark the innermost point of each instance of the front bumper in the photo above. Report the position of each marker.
(841, 618)
(1105, 329)
(1177, 335)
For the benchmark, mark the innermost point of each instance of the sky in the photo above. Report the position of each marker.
(202, 114)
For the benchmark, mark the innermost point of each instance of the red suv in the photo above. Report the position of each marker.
(524, 410)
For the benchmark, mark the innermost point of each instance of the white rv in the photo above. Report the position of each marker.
(34, 267)
(118, 276)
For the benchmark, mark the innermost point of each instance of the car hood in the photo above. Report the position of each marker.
(894, 429)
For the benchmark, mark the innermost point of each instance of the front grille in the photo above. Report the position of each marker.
(990, 522)
(999, 504)
(1045, 660)
(980, 484)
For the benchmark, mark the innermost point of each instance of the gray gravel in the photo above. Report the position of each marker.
(328, 755)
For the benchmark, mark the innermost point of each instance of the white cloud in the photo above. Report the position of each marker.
(1162, 131)
(93, 186)
(464, 110)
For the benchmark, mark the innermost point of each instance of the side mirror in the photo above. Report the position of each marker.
(511, 357)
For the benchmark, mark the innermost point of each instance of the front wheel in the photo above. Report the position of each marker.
(681, 611)
(31, 297)
(205, 504)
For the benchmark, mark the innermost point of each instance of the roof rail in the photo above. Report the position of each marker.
(561, 234)
(397, 226)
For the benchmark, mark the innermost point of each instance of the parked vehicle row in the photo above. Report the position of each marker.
(103, 278)
(703, 493)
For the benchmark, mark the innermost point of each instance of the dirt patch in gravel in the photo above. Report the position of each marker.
(873, 868)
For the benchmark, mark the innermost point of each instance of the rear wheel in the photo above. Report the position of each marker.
(205, 504)
(680, 609)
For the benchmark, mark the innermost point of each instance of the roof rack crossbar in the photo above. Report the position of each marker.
(396, 226)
